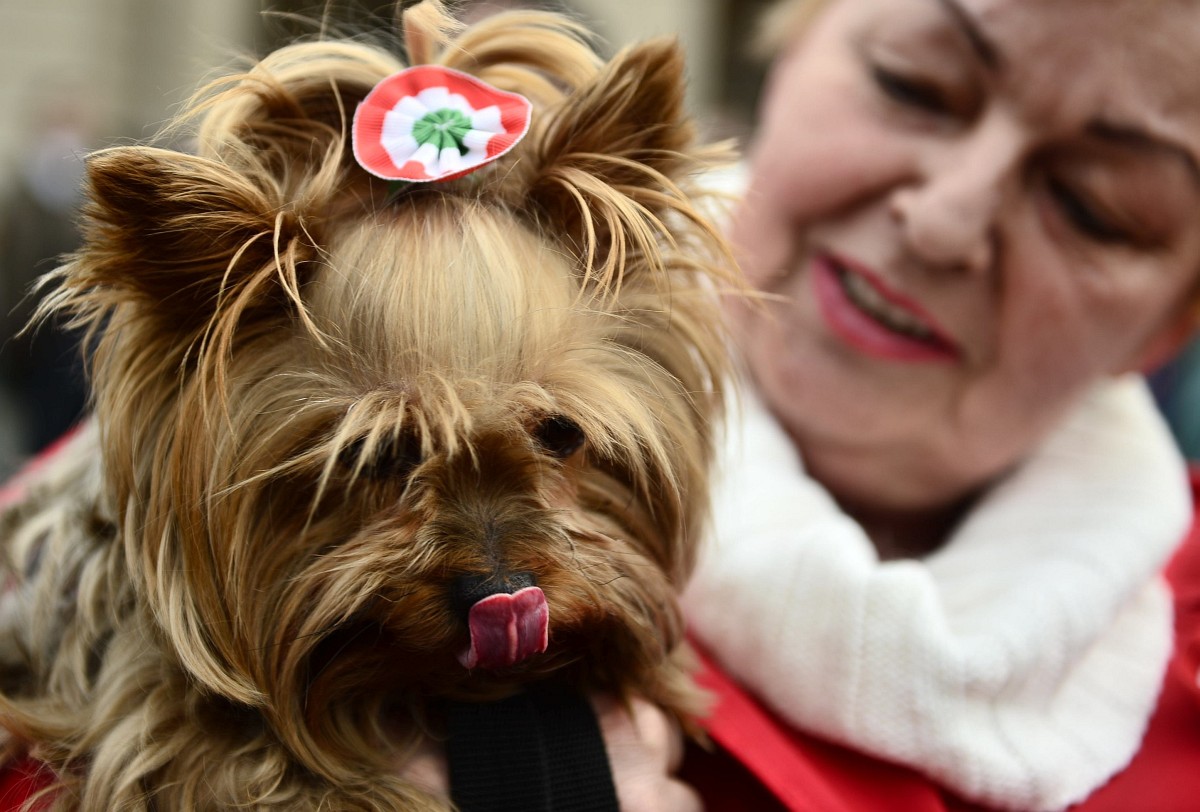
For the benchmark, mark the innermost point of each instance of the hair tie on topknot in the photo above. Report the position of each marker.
(430, 123)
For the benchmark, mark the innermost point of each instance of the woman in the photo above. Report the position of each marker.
(950, 501)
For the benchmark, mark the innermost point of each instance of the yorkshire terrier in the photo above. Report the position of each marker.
(361, 444)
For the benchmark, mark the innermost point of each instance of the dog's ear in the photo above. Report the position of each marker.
(192, 233)
(177, 231)
(632, 113)
(609, 166)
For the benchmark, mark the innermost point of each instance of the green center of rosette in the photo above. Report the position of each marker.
(442, 128)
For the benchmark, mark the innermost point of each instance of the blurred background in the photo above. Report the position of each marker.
(76, 75)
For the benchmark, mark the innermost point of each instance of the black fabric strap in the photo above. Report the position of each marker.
(538, 751)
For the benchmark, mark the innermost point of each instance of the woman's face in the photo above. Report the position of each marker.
(972, 210)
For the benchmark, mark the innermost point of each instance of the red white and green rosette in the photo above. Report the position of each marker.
(430, 123)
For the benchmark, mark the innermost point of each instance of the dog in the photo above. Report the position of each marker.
(360, 444)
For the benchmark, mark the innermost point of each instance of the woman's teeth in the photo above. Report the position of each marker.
(866, 298)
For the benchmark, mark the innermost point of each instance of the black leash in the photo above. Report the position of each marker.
(538, 751)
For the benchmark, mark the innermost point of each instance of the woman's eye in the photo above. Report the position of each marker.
(910, 92)
(1084, 216)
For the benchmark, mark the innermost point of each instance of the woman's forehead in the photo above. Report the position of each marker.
(1124, 60)
(1161, 33)
(1067, 64)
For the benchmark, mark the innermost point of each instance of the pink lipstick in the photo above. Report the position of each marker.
(875, 319)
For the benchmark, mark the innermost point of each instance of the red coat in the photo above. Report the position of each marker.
(762, 765)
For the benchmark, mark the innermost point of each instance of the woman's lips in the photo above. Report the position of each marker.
(875, 319)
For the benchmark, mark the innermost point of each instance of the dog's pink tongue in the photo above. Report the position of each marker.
(506, 629)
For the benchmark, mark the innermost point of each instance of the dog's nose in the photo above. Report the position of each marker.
(467, 590)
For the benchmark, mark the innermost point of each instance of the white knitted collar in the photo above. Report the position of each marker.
(1018, 666)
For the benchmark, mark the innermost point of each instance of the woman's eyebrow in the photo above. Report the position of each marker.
(981, 44)
(1139, 140)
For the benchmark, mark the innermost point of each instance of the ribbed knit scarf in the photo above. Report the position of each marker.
(1018, 666)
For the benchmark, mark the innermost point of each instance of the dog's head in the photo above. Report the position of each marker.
(368, 443)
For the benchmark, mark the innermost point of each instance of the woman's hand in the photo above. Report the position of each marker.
(426, 768)
(645, 750)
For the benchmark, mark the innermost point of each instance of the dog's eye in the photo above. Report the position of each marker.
(559, 436)
(392, 458)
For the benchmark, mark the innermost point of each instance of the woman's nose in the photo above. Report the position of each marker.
(949, 213)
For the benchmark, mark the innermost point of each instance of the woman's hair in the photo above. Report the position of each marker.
(782, 23)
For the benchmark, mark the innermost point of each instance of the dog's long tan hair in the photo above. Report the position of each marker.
(309, 387)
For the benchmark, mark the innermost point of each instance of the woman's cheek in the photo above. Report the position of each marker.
(765, 242)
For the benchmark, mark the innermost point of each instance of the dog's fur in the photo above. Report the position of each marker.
(318, 400)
